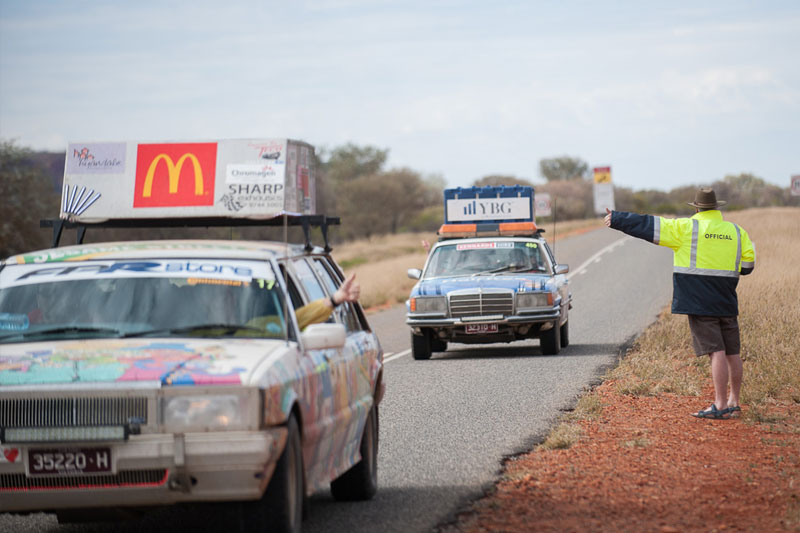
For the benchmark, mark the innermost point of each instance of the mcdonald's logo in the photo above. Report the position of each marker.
(175, 175)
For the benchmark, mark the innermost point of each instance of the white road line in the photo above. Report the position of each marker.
(394, 356)
(596, 257)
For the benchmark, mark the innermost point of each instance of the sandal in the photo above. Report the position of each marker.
(713, 412)
(734, 411)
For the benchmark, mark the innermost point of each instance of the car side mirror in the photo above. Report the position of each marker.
(562, 269)
(414, 273)
(324, 336)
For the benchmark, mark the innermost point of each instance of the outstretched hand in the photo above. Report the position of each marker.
(607, 218)
(349, 291)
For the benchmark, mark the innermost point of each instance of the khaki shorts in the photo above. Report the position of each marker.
(715, 334)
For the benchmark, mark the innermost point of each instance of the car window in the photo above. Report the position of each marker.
(550, 254)
(325, 275)
(208, 297)
(345, 313)
(308, 280)
(294, 294)
(467, 258)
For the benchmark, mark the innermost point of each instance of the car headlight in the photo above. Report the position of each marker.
(429, 304)
(207, 412)
(529, 300)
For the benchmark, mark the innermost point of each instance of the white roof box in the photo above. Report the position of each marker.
(241, 178)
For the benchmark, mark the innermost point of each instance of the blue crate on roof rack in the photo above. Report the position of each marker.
(470, 205)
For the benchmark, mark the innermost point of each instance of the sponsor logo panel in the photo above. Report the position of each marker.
(489, 209)
(175, 175)
(96, 158)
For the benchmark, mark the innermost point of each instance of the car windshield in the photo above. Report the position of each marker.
(203, 298)
(487, 257)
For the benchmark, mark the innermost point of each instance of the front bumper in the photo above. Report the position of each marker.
(537, 317)
(155, 469)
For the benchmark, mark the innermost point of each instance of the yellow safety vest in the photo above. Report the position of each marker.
(710, 254)
(706, 244)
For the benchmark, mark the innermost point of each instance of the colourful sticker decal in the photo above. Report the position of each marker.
(208, 269)
(10, 455)
(475, 246)
(83, 253)
(172, 363)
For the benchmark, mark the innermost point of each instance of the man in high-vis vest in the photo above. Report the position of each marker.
(710, 254)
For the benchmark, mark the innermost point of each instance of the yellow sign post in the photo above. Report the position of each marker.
(602, 175)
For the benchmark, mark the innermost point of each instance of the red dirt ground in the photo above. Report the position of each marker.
(646, 465)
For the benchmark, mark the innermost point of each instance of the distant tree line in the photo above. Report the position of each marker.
(570, 184)
(353, 183)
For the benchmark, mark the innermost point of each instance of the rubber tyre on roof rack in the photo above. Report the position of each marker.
(421, 346)
(550, 340)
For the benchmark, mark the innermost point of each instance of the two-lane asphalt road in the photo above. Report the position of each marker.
(447, 423)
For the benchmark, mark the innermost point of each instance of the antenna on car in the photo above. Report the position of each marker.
(555, 212)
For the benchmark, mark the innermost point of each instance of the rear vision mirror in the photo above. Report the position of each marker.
(562, 269)
(324, 336)
(414, 273)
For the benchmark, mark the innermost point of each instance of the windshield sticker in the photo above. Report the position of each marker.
(14, 322)
(98, 251)
(483, 245)
(206, 281)
(205, 269)
(474, 246)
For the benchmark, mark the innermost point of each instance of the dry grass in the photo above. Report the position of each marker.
(381, 263)
(769, 307)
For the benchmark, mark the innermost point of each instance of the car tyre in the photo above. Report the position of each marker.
(550, 340)
(361, 481)
(421, 346)
(438, 345)
(565, 334)
(281, 506)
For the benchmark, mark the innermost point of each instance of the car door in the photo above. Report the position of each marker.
(360, 363)
(316, 395)
(333, 399)
(562, 284)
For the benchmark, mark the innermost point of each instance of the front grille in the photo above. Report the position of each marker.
(126, 478)
(481, 304)
(67, 412)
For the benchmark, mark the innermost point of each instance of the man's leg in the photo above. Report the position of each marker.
(735, 370)
(719, 375)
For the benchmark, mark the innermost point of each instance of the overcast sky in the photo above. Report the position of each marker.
(667, 93)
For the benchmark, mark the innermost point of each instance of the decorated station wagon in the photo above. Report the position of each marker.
(156, 372)
(491, 277)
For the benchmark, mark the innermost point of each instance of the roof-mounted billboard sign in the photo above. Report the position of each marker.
(242, 178)
(488, 204)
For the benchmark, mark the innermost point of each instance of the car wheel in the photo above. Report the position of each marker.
(438, 345)
(281, 506)
(421, 346)
(361, 481)
(550, 340)
(565, 334)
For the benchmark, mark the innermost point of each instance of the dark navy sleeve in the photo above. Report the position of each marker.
(641, 226)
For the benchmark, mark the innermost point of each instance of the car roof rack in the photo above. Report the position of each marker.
(306, 221)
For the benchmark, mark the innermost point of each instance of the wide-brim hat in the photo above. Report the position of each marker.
(705, 198)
